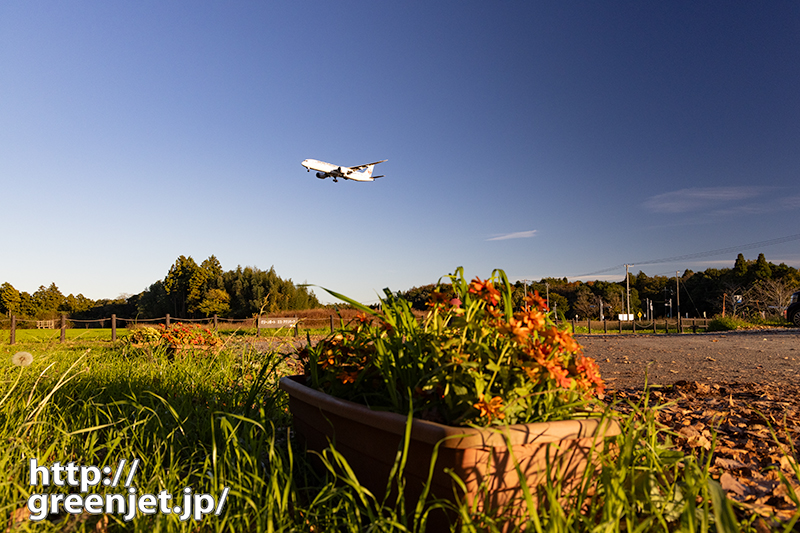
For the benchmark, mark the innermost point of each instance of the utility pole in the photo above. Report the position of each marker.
(678, 299)
(547, 292)
(628, 290)
(525, 283)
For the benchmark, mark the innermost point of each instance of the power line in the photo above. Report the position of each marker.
(697, 255)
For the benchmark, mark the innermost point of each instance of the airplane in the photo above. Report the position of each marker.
(327, 170)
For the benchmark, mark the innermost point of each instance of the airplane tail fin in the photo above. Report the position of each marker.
(370, 167)
(368, 172)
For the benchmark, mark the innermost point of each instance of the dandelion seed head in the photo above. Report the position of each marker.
(22, 358)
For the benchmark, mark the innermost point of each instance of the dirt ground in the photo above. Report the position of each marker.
(739, 389)
(760, 356)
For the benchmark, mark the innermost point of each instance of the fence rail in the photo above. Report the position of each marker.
(115, 322)
(664, 325)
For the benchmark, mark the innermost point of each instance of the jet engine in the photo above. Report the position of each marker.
(321, 175)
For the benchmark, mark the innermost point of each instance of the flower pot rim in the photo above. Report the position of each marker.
(453, 436)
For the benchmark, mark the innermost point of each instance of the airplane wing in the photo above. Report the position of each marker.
(359, 167)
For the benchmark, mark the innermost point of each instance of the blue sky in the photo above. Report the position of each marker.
(543, 138)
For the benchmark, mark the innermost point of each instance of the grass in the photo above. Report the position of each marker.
(211, 422)
(93, 335)
(49, 336)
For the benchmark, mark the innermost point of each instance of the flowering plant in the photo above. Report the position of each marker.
(188, 335)
(144, 335)
(473, 359)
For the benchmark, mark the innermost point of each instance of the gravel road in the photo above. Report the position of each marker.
(760, 356)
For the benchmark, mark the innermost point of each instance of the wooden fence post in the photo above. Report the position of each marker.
(633, 323)
(13, 331)
(215, 322)
(573, 326)
(258, 326)
(167, 320)
(589, 325)
(605, 326)
(63, 327)
(331, 323)
(620, 326)
(113, 328)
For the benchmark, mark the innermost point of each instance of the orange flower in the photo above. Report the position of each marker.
(559, 374)
(328, 359)
(562, 339)
(516, 328)
(589, 374)
(485, 290)
(534, 373)
(437, 299)
(534, 319)
(538, 352)
(491, 409)
(363, 318)
(536, 301)
(347, 377)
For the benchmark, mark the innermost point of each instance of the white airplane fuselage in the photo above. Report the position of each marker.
(328, 170)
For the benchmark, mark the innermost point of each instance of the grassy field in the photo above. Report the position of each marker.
(219, 423)
(103, 335)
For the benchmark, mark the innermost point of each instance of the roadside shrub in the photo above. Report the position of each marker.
(727, 323)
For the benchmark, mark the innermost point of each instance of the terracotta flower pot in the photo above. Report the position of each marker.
(369, 441)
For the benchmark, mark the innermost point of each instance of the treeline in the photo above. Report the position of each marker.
(189, 290)
(750, 289)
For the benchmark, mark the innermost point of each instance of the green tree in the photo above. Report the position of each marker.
(252, 290)
(740, 267)
(10, 299)
(48, 300)
(74, 305)
(154, 301)
(585, 305)
(206, 278)
(760, 270)
(419, 297)
(178, 284)
(216, 302)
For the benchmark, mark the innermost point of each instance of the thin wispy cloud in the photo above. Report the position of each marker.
(515, 235)
(790, 202)
(699, 198)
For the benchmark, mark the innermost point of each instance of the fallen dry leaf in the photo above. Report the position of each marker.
(747, 418)
(730, 484)
(18, 516)
(102, 525)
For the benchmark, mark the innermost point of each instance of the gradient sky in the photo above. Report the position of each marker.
(544, 138)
